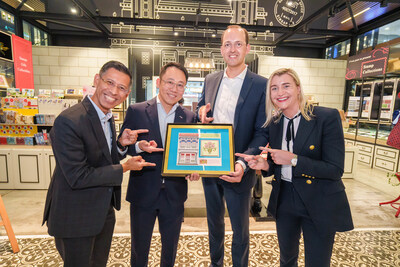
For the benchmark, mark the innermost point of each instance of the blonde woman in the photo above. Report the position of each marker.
(306, 157)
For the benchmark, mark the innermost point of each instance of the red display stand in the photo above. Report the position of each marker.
(394, 203)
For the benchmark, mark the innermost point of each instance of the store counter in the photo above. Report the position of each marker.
(26, 167)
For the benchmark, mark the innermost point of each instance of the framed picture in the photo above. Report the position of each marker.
(207, 149)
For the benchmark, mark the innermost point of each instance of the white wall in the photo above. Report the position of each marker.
(323, 78)
(58, 67)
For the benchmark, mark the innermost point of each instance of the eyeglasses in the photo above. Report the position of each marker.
(112, 84)
(171, 84)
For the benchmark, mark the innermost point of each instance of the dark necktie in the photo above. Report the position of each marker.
(290, 131)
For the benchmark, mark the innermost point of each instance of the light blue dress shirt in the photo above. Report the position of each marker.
(105, 123)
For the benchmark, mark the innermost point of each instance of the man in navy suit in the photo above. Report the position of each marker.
(86, 183)
(235, 96)
(150, 194)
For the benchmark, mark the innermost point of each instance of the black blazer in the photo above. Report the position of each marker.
(86, 179)
(248, 120)
(145, 185)
(317, 176)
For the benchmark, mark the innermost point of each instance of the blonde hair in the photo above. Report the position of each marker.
(274, 114)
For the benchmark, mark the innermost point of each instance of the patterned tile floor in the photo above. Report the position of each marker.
(361, 248)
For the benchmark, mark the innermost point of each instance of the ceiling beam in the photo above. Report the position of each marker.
(91, 18)
(353, 20)
(311, 18)
(53, 16)
(72, 25)
(173, 23)
(20, 5)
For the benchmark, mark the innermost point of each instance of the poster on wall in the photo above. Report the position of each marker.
(368, 64)
(5, 46)
(23, 67)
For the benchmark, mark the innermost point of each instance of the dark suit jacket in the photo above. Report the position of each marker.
(317, 176)
(248, 120)
(145, 185)
(86, 179)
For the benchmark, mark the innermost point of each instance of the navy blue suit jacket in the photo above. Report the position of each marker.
(248, 120)
(145, 185)
(317, 177)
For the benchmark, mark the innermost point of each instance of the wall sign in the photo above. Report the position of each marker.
(23, 67)
(368, 64)
(289, 13)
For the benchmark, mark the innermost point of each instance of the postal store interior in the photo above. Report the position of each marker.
(50, 50)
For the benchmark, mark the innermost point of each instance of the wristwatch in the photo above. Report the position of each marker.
(293, 161)
(120, 146)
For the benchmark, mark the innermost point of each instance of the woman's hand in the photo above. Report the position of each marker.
(256, 162)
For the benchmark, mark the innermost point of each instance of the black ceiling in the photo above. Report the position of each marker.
(312, 23)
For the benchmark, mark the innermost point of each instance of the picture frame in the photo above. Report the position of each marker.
(206, 149)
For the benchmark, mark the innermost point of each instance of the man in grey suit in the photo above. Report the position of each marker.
(86, 183)
(235, 96)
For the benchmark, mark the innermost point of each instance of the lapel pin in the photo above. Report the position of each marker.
(180, 117)
(312, 147)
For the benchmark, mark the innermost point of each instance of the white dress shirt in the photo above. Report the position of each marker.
(286, 172)
(226, 102)
(227, 98)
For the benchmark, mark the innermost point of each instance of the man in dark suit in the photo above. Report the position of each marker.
(151, 195)
(86, 183)
(235, 96)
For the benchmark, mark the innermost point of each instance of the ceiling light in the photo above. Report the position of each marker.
(199, 63)
(74, 10)
(176, 33)
(28, 6)
(213, 35)
(359, 13)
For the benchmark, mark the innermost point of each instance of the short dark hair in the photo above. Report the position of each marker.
(113, 64)
(246, 34)
(177, 65)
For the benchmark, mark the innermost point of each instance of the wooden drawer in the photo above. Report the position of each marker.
(383, 163)
(367, 159)
(366, 148)
(386, 152)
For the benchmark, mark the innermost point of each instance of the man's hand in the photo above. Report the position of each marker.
(193, 177)
(280, 157)
(256, 162)
(236, 176)
(149, 147)
(203, 114)
(129, 136)
(135, 164)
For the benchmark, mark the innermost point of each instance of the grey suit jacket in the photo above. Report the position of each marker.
(87, 177)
